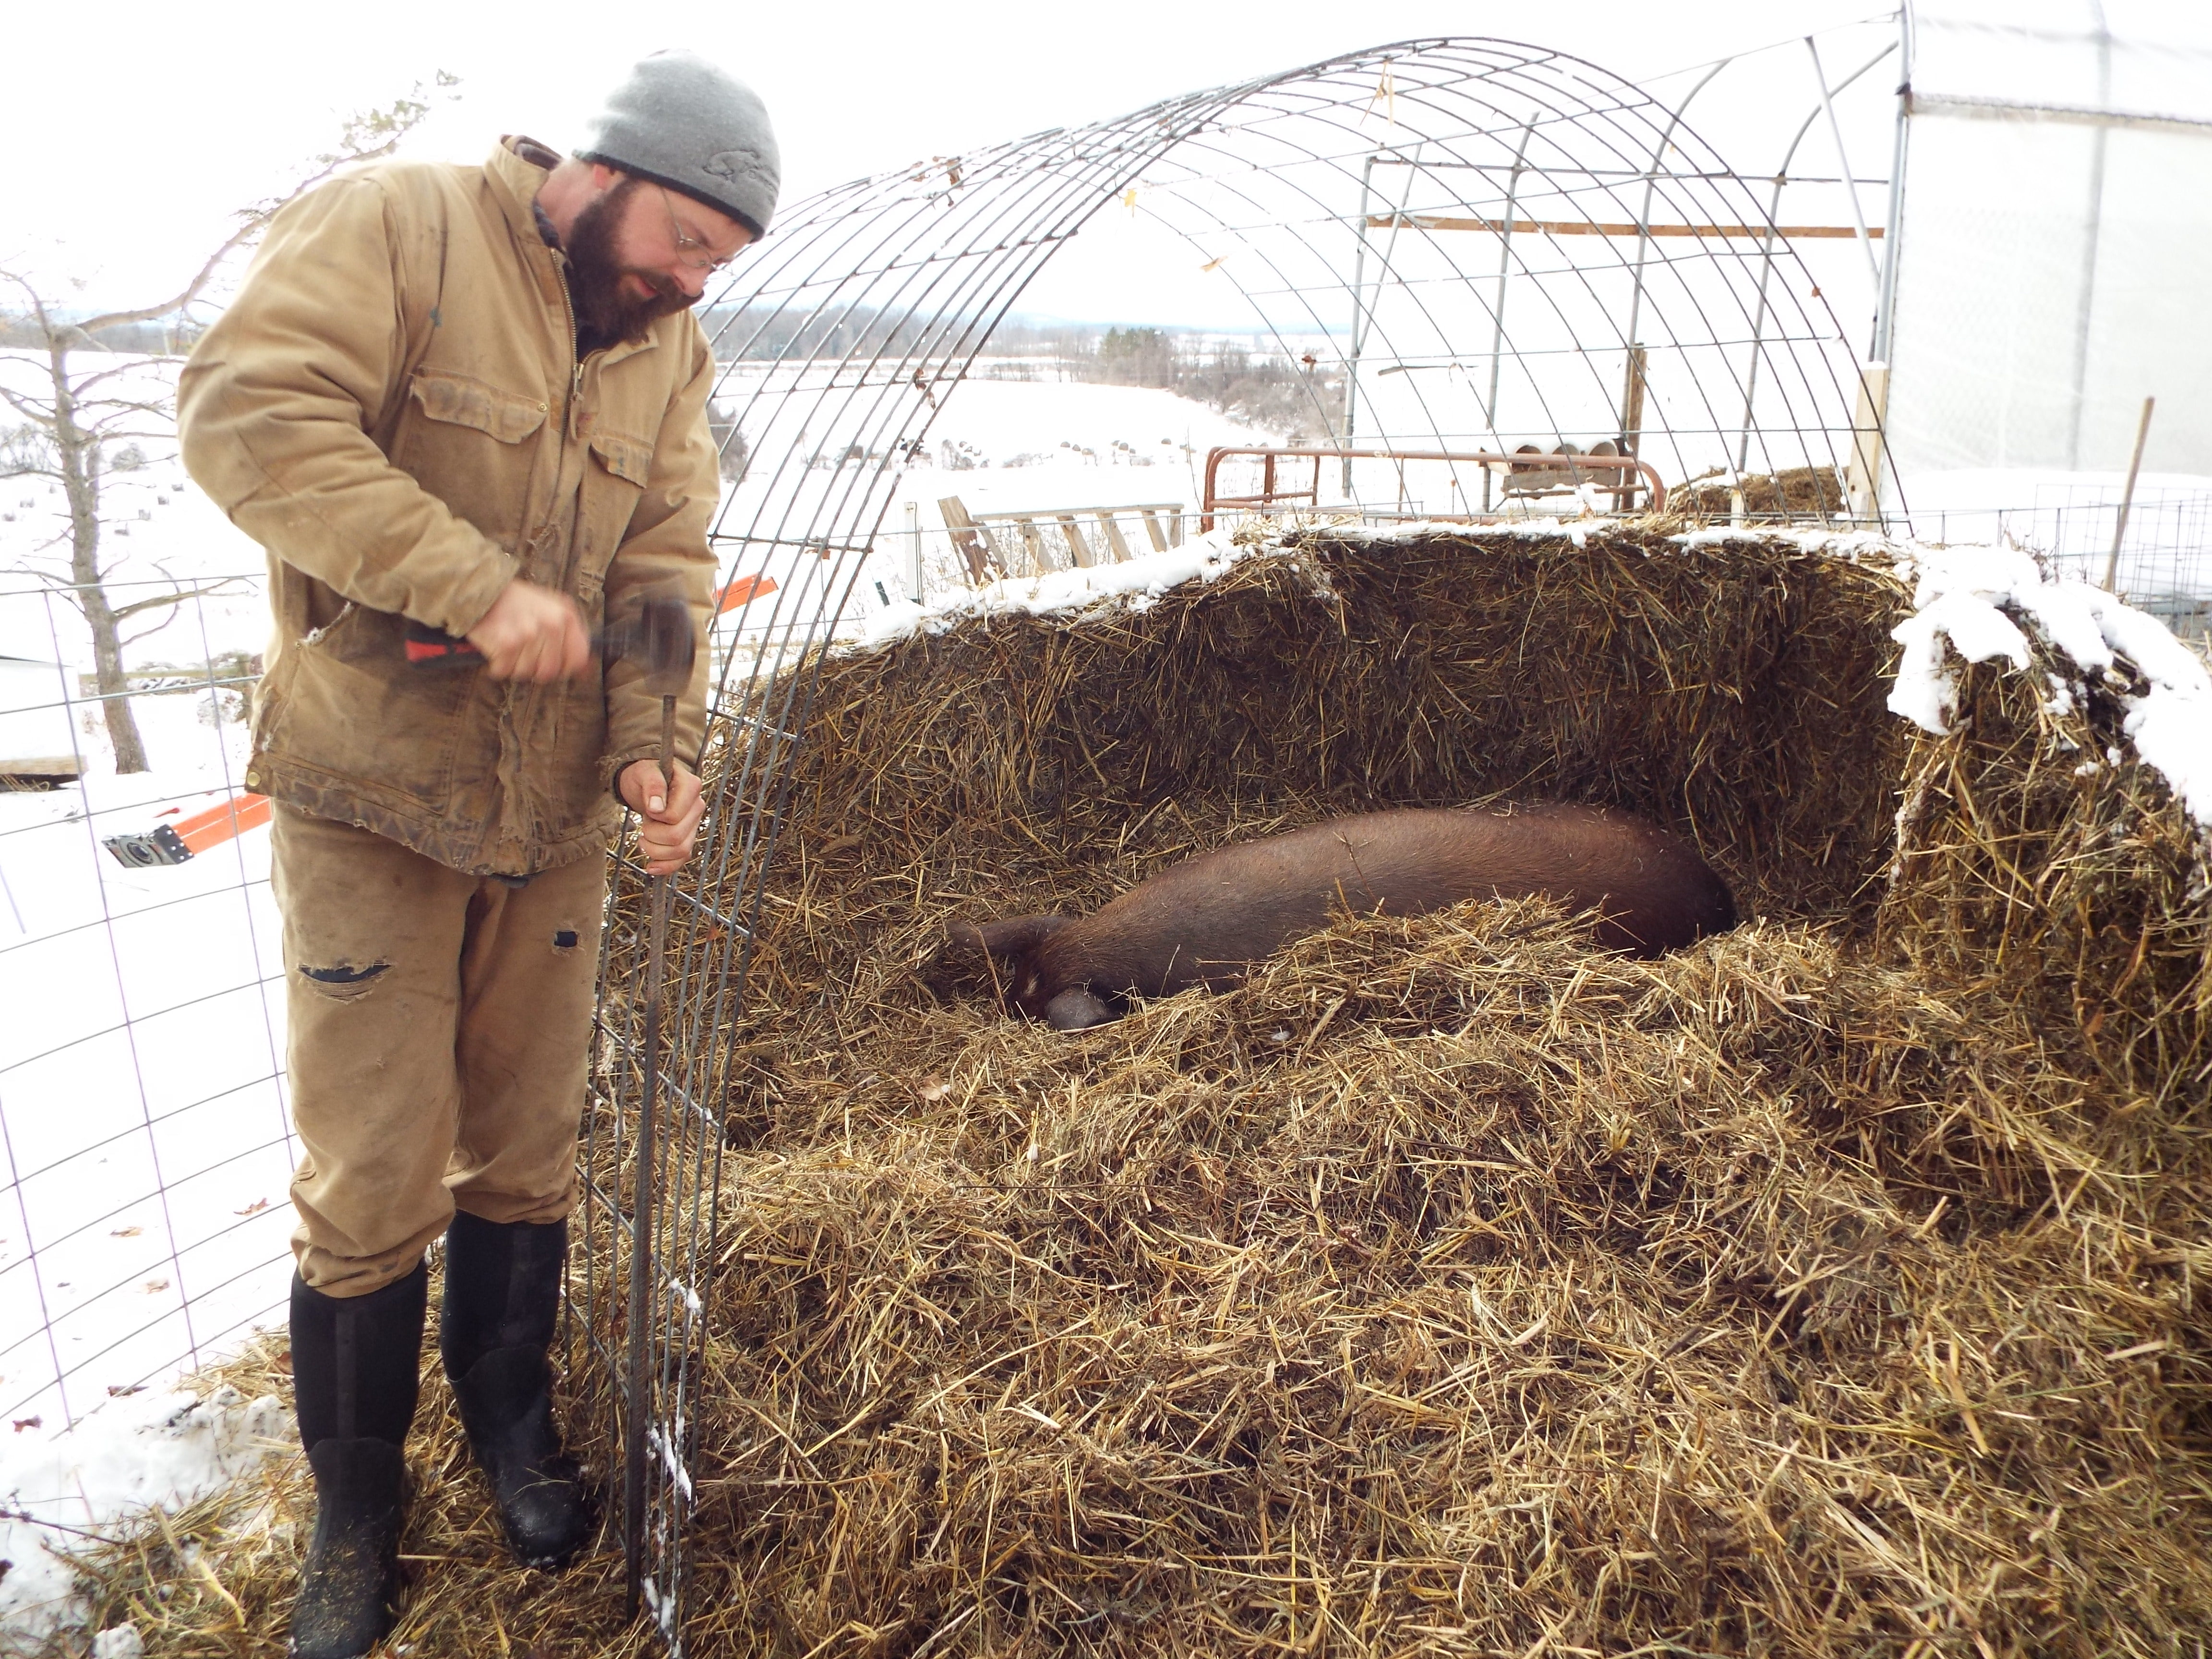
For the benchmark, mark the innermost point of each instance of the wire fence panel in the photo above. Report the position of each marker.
(2159, 559)
(147, 1147)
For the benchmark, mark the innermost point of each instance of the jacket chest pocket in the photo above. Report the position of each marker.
(465, 442)
(615, 480)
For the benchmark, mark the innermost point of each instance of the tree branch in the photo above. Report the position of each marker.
(367, 137)
(160, 600)
(85, 383)
(44, 414)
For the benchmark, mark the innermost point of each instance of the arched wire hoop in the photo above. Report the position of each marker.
(1478, 245)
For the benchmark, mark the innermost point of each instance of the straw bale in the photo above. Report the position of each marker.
(2040, 852)
(1732, 691)
(1450, 1287)
(1796, 492)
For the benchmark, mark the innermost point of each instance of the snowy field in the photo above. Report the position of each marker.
(1001, 446)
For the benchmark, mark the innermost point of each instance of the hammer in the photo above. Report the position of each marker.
(660, 637)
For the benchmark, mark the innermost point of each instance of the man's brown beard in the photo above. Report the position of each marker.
(605, 315)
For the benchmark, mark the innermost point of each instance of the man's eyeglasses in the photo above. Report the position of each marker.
(687, 246)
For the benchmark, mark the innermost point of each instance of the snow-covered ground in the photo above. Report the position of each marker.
(152, 1451)
(140, 1082)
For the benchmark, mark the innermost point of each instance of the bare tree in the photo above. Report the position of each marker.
(80, 424)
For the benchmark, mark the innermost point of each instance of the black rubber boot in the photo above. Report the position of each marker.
(502, 1294)
(355, 1365)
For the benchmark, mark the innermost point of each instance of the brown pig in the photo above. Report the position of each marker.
(1206, 920)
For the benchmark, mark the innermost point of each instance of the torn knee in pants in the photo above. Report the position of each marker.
(343, 979)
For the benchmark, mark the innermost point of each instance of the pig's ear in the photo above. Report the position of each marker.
(1008, 940)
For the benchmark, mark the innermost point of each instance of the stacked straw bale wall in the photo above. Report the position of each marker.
(1733, 690)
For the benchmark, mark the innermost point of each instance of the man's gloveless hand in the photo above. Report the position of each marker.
(668, 818)
(532, 633)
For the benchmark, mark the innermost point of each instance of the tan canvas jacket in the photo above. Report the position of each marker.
(393, 409)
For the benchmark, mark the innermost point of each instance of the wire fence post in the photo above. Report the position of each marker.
(2127, 495)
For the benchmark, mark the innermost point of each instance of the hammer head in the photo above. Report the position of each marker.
(659, 639)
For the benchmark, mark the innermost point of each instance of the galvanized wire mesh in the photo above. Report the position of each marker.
(143, 1118)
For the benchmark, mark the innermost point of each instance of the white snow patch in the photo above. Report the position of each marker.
(1982, 601)
(136, 1454)
(1137, 582)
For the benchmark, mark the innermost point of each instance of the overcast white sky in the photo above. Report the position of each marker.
(132, 128)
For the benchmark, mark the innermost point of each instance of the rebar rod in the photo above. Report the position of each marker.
(642, 1211)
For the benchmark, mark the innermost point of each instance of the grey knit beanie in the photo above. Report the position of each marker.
(681, 122)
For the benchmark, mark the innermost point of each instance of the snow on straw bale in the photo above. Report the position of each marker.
(1977, 601)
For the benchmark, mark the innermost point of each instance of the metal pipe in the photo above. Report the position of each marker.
(2084, 306)
(1497, 311)
(1363, 315)
(641, 1212)
(914, 547)
(1766, 257)
(1885, 309)
(1358, 301)
(1844, 166)
(1650, 190)
(1593, 228)
(1572, 465)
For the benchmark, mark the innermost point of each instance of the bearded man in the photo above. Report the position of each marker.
(464, 403)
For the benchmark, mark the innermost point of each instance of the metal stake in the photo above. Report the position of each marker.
(641, 1237)
(2127, 497)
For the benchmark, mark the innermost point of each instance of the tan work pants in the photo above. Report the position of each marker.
(438, 1027)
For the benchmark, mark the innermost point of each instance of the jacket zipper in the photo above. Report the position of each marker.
(575, 351)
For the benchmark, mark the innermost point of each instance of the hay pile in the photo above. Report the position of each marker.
(2038, 854)
(1450, 1287)
(1796, 492)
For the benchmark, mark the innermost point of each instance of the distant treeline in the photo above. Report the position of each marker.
(1300, 399)
(1297, 397)
(18, 330)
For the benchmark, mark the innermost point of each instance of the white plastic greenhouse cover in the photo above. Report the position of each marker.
(2054, 239)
